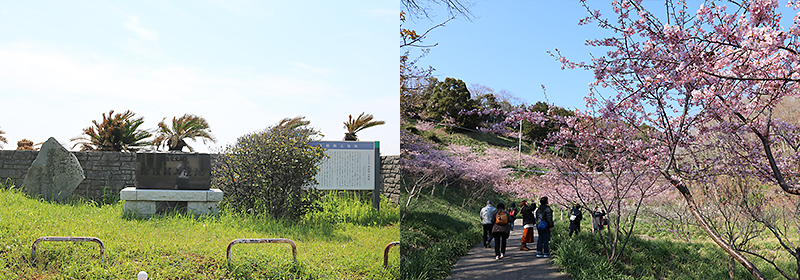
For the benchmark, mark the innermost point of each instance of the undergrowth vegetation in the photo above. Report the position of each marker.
(583, 257)
(345, 241)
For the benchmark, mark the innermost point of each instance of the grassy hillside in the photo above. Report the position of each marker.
(442, 224)
(346, 241)
(442, 228)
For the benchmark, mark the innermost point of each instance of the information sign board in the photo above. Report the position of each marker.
(351, 165)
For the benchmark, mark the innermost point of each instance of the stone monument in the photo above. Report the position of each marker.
(170, 180)
(54, 174)
(173, 171)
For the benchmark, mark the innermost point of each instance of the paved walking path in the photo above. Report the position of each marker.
(480, 262)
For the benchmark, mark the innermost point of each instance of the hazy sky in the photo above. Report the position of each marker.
(242, 65)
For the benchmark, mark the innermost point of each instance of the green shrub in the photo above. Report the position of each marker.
(269, 172)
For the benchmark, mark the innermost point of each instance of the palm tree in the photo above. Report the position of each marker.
(117, 132)
(26, 145)
(3, 139)
(353, 126)
(188, 126)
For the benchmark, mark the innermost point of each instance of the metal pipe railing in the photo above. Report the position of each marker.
(72, 239)
(386, 252)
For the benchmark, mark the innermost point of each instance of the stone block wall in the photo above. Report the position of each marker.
(110, 172)
(107, 172)
(390, 172)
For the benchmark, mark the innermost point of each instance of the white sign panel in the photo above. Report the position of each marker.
(351, 166)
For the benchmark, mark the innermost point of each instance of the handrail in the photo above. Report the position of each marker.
(386, 252)
(262, 240)
(70, 238)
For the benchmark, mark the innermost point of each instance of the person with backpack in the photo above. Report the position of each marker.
(487, 215)
(501, 231)
(512, 212)
(545, 216)
(528, 224)
(575, 217)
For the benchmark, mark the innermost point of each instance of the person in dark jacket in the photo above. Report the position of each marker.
(575, 217)
(597, 219)
(500, 233)
(528, 224)
(544, 214)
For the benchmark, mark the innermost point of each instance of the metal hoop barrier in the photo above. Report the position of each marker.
(267, 240)
(386, 253)
(72, 239)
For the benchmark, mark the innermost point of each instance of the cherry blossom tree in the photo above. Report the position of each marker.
(702, 79)
(615, 173)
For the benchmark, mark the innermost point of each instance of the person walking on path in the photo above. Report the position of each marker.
(575, 217)
(487, 215)
(501, 230)
(597, 219)
(528, 224)
(545, 216)
(480, 263)
(512, 213)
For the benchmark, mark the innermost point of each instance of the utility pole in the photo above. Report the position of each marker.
(519, 150)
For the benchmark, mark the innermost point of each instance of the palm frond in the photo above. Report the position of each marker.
(116, 132)
(292, 123)
(3, 139)
(360, 123)
(188, 126)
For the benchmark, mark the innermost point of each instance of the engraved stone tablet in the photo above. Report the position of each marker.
(173, 171)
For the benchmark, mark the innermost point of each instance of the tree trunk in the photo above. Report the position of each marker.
(687, 195)
(730, 267)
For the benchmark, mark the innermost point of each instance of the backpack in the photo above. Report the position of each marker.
(513, 212)
(542, 225)
(502, 218)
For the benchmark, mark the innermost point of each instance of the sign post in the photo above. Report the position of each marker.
(376, 194)
(352, 165)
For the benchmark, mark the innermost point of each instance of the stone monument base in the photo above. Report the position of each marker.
(148, 202)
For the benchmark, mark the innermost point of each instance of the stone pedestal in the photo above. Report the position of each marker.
(145, 202)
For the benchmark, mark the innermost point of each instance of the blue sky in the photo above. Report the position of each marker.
(243, 65)
(504, 47)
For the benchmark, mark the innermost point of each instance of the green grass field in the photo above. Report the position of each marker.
(346, 241)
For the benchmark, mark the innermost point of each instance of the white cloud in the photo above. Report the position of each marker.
(134, 25)
(60, 93)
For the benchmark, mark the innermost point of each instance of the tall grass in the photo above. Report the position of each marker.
(583, 257)
(182, 246)
(339, 207)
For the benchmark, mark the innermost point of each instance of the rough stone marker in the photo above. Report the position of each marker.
(54, 174)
